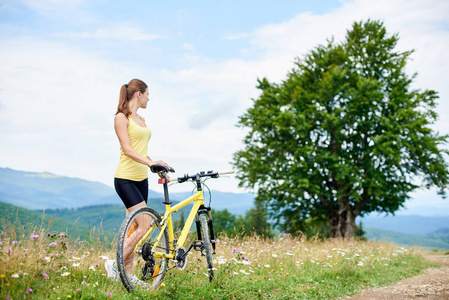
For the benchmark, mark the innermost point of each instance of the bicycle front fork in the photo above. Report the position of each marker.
(210, 225)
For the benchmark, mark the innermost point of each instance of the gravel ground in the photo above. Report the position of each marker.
(432, 284)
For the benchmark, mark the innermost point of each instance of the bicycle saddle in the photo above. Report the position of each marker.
(160, 168)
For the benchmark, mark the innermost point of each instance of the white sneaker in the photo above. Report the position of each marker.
(111, 269)
(136, 281)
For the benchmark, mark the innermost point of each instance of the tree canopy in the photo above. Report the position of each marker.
(345, 134)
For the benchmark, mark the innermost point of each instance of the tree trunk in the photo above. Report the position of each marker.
(342, 222)
(334, 225)
(348, 224)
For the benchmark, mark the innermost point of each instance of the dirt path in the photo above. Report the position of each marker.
(432, 284)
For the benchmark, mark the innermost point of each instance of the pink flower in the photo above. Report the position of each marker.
(45, 275)
(62, 234)
(96, 265)
(109, 295)
(9, 250)
(34, 236)
(83, 283)
(30, 290)
(53, 244)
(92, 249)
(15, 242)
(78, 290)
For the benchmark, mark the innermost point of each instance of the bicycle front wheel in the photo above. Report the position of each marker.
(207, 246)
(135, 263)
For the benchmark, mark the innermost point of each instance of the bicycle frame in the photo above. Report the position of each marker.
(167, 223)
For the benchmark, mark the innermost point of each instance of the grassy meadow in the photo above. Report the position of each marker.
(50, 265)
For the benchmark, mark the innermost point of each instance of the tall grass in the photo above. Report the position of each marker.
(47, 265)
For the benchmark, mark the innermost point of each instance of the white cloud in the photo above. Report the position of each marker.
(57, 103)
(121, 32)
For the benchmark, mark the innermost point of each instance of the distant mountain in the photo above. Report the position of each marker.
(436, 240)
(45, 190)
(406, 224)
(40, 191)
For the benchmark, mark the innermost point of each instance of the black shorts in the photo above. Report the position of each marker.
(131, 192)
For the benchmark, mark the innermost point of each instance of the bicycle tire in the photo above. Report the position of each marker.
(137, 263)
(207, 246)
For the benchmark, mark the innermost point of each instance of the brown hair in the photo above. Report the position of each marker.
(127, 91)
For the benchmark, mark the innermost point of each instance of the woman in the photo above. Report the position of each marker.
(131, 177)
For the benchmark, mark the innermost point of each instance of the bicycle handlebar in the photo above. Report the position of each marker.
(188, 177)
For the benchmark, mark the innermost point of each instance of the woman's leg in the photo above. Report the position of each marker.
(134, 195)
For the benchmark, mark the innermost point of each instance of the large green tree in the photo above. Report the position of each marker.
(344, 135)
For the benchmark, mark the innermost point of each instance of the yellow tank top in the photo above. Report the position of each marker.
(127, 167)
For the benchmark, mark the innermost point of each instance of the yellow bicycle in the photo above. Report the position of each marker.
(146, 241)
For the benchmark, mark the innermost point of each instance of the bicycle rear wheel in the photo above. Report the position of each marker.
(138, 267)
(207, 246)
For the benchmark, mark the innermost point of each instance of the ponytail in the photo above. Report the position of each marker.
(127, 91)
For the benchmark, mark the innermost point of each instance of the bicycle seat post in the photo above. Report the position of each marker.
(163, 180)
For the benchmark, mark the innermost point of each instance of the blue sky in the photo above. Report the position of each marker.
(63, 63)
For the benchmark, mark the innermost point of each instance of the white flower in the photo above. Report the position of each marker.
(47, 259)
(92, 268)
(274, 255)
(266, 266)
(104, 257)
(288, 253)
(15, 275)
(76, 265)
(65, 274)
(244, 272)
(360, 264)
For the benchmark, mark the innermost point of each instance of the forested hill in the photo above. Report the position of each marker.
(28, 221)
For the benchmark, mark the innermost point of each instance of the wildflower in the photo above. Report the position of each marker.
(2, 276)
(15, 242)
(30, 290)
(109, 295)
(52, 244)
(83, 282)
(76, 265)
(91, 249)
(288, 253)
(45, 275)
(69, 296)
(62, 234)
(9, 250)
(360, 264)
(34, 236)
(78, 290)
(104, 257)
(237, 250)
(65, 274)
(96, 265)
(266, 266)
(15, 275)
(92, 268)
(274, 255)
